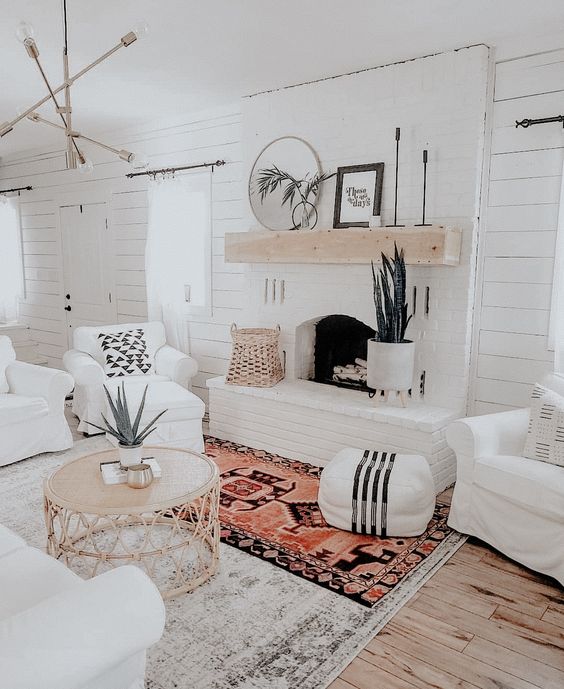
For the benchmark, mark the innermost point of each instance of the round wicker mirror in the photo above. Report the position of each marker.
(288, 154)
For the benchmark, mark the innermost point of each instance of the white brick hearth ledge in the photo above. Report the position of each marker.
(304, 420)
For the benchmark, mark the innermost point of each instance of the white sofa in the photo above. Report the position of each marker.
(513, 503)
(60, 632)
(168, 386)
(32, 407)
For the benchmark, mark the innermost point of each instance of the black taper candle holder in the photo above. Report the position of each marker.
(396, 189)
(423, 223)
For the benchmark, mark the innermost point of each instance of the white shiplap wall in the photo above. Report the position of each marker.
(516, 264)
(209, 137)
(517, 258)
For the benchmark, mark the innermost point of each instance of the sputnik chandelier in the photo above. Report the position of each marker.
(75, 158)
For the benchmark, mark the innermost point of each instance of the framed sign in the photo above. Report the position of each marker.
(358, 194)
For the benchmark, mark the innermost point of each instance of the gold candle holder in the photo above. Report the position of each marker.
(139, 476)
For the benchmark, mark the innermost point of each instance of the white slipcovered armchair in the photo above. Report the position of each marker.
(513, 503)
(168, 385)
(60, 632)
(32, 407)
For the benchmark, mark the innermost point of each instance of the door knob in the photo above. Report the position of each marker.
(67, 296)
(68, 308)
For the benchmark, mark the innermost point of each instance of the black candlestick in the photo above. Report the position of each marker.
(396, 189)
(423, 223)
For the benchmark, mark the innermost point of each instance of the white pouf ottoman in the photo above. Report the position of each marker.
(378, 493)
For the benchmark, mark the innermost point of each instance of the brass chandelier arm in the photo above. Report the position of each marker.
(123, 154)
(34, 117)
(57, 106)
(51, 93)
(68, 109)
(71, 162)
(125, 41)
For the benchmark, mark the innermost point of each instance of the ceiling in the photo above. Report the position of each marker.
(198, 54)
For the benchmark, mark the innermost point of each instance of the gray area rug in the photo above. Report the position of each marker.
(254, 626)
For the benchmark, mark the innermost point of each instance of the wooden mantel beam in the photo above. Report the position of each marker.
(431, 245)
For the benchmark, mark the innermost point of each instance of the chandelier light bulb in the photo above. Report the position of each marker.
(140, 29)
(86, 167)
(24, 31)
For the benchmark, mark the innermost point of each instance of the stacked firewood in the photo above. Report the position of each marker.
(354, 374)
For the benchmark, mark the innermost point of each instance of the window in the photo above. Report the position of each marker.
(11, 265)
(178, 255)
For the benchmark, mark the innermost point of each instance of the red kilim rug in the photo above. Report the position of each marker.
(268, 508)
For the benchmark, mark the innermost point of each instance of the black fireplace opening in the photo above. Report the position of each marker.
(340, 351)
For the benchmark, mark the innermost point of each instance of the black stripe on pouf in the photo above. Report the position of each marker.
(365, 484)
(355, 490)
(375, 485)
(384, 519)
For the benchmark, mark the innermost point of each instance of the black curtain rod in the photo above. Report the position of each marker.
(542, 120)
(18, 189)
(169, 170)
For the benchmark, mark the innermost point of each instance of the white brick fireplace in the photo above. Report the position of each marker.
(439, 102)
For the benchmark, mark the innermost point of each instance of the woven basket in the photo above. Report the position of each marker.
(255, 360)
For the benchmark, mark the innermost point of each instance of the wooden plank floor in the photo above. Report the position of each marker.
(480, 621)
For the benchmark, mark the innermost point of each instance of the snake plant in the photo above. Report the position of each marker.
(128, 434)
(390, 298)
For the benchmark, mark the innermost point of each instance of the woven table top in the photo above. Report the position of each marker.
(78, 485)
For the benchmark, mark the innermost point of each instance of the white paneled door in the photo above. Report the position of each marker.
(87, 266)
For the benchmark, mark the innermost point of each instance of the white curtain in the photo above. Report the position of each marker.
(557, 309)
(11, 265)
(178, 252)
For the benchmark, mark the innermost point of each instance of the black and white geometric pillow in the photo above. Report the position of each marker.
(545, 436)
(125, 353)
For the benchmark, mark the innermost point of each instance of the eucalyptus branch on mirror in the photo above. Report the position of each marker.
(270, 179)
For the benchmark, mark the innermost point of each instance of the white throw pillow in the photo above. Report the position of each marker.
(545, 437)
(125, 353)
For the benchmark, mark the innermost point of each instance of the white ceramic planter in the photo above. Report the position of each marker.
(130, 454)
(390, 365)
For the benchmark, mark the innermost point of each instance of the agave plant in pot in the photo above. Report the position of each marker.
(129, 434)
(390, 356)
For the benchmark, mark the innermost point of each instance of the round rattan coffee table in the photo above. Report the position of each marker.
(170, 529)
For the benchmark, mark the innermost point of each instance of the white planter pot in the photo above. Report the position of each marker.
(390, 365)
(130, 454)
